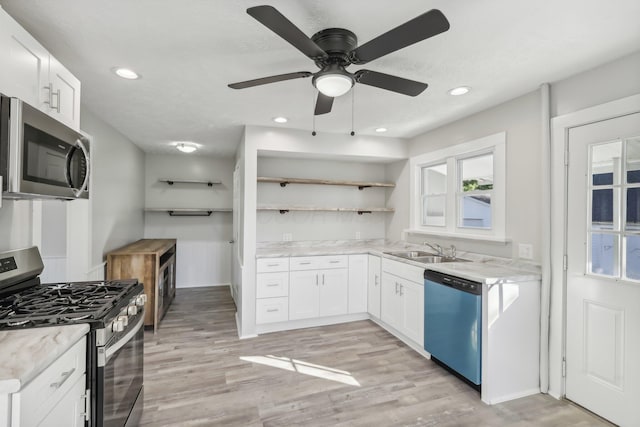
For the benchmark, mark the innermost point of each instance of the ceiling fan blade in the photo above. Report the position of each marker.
(323, 104)
(271, 79)
(419, 28)
(389, 82)
(279, 24)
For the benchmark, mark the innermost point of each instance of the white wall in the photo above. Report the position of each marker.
(117, 188)
(320, 225)
(204, 252)
(520, 118)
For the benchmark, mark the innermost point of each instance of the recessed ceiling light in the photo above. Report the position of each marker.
(126, 73)
(457, 91)
(380, 130)
(280, 119)
(186, 148)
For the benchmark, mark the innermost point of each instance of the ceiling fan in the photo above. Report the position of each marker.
(334, 49)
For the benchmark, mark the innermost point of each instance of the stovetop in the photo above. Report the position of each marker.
(61, 303)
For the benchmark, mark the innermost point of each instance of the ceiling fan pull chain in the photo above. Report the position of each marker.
(313, 132)
(353, 96)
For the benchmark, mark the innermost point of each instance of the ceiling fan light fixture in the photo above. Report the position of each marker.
(461, 90)
(333, 84)
(186, 148)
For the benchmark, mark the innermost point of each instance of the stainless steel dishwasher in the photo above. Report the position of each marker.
(453, 323)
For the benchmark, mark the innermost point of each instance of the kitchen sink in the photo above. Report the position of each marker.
(411, 254)
(425, 257)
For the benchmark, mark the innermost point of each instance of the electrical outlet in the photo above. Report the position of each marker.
(525, 250)
(357, 235)
(287, 237)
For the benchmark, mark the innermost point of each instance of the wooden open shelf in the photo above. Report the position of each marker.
(188, 211)
(284, 209)
(360, 184)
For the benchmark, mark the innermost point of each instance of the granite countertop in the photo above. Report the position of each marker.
(480, 268)
(24, 353)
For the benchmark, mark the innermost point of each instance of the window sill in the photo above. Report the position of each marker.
(459, 236)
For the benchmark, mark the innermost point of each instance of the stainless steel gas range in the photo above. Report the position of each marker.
(114, 311)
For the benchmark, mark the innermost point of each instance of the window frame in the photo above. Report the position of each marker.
(495, 144)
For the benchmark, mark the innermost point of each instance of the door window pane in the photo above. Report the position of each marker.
(475, 211)
(604, 254)
(604, 209)
(633, 161)
(633, 257)
(477, 173)
(433, 210)
(605, 163)
(434, 179)
(633, 209)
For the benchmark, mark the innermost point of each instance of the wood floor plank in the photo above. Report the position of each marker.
(198, 373)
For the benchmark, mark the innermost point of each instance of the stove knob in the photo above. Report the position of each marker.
(141, 300)
(132, 310)
(124, 319)
(117, 325)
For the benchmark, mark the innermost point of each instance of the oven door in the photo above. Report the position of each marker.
(119, 394)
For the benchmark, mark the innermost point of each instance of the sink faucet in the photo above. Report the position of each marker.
(436, 247)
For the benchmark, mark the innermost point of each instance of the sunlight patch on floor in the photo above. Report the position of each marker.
(305, 368)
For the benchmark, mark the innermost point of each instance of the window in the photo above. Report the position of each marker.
(460, 190)
(614, 224)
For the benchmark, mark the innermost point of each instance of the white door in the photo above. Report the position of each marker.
(334, 291)
(236, 255)
(391, 303)
(304, 291)
(65, 101)
(358, 272)
(413, 310)
(603, 269)
(373, 294)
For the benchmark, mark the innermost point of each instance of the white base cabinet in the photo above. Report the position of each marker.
(358, 274)
(272, 290)
(318, 293)
(402, 305)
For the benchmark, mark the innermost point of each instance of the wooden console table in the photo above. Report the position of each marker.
(152, 262)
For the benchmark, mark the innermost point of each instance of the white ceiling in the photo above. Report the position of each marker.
(188, 51)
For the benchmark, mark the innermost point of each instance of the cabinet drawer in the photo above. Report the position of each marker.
(39, 397)
(406, 271)
(269, 285)
(270, 310)
(270, 265)
(319, 262)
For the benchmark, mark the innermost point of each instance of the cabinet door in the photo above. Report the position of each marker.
(69, 411)
(358, 273)
(373, 284)
(391, 304)
(65, 96)
(304, 291)
(25, 63)
(333, 291)
(413, 310)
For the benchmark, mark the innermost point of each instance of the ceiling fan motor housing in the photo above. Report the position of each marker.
(337, 43)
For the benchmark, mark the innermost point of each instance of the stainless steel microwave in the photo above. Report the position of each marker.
(40, 158)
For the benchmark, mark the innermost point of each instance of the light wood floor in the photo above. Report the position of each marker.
(354, 374)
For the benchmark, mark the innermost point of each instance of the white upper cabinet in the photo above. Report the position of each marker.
(30, 73)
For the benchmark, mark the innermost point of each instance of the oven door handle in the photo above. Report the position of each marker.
(112, 349)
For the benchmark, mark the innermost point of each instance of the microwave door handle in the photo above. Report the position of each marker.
(78, 192)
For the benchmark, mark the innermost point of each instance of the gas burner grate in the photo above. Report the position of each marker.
(60, 303)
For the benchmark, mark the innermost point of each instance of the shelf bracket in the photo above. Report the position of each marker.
(170, 182)
(283, 211)
(362, 187)
(363, 212)
(284, 184)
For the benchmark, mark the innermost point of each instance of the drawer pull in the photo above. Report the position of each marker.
(272, 284)
(334, 262)
(273, 265)
(65, 377)
(272, 310)
(305, 263)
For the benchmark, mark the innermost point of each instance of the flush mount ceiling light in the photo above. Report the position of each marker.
(126, 73)
(280, 119)
(186, 148)
(380, 130)
(333, 81)
(457, 91)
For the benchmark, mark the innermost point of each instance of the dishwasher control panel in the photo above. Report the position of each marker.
(454, 282)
